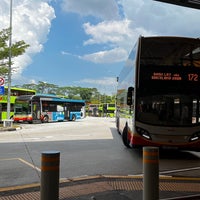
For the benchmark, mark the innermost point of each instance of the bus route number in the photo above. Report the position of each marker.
(193, 77)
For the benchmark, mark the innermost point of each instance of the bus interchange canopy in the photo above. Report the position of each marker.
(186, 3)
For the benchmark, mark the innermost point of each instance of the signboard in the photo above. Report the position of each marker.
(2, 81)
(2, 90)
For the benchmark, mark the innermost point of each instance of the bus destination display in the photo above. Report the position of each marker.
(174, 76)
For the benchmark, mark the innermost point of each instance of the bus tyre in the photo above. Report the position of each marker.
(45, 119)
(73, 117)
(125, 137)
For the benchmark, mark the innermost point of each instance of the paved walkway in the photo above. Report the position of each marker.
(108, 188)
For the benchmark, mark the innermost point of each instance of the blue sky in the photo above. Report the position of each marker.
(86, 42)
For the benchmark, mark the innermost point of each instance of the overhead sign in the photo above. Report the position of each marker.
(2, 81)
(2, 90)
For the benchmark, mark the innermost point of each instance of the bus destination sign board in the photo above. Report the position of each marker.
(174, 76)
(169, 73)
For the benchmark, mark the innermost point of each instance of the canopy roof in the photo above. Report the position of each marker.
(187, 3)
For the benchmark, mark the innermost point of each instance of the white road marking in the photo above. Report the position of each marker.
(180, 170)
(23, 161)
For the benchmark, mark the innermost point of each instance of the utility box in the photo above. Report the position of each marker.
(7, 123)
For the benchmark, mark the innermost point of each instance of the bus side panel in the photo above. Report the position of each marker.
(77, 115)
(54, 116)
(58, 116)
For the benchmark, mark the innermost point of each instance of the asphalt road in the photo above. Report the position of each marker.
(87, 147)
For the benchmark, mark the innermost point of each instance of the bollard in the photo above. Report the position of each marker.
(151, 173)
(50, 164)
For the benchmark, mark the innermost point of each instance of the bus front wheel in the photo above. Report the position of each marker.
(125, 137)
(73, 117)
(45, 119)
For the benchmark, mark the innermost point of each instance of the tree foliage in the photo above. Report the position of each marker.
(18, 48)
(90, 95)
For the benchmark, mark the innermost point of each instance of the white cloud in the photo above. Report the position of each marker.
(110, 56)
(162, 18)
(104, 9)
(118, 35)
(105, 85)
(144, 17)
(108, 32)
(103, 81)
(66, 53)
(31, 22)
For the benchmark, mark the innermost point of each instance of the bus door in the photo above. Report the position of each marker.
(66, 111)
(36, 111)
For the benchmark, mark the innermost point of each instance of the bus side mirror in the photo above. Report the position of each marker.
(129, 96)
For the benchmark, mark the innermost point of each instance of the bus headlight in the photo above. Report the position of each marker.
(144, 133)
(194, 137)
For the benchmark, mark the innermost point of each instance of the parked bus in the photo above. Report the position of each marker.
(47, 108)
(107, 109)
(93, 110)
(14, 93)
(158, 95)
(74, 109)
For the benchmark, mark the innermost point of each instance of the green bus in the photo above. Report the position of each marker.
(4, 100)
(107, 109)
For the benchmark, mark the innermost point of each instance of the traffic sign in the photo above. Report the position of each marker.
(2, 90)
(2, 81)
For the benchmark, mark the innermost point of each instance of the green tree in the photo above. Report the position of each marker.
(69, 92)
(17, 48)
(91, 95)
(86, 94)
(46, 88)
(31, 86)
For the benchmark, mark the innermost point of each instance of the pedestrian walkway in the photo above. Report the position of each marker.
(109, 188)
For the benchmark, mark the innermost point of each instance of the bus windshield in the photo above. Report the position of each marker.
(168, 110)
(22, 107)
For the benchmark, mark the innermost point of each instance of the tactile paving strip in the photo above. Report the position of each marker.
(75, 189)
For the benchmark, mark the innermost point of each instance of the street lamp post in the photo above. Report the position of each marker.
(9, 63)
